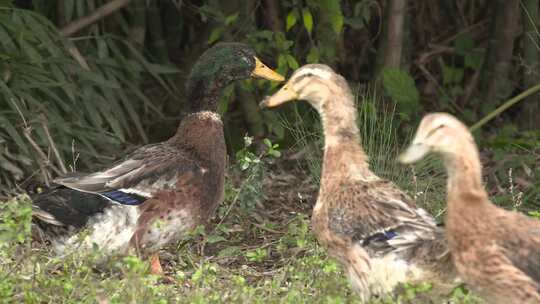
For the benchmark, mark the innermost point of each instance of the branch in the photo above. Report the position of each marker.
(510, 102)
(98, 14)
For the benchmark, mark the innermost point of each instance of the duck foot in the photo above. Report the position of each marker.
(155, 265)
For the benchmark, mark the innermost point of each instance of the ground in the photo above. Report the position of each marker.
(258, 249)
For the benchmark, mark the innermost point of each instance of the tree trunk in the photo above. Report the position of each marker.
(391, 45)
(271, 15)
(530, 110)
(496, 81)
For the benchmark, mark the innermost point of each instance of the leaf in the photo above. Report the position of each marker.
(308, 20)
(229, 252)
(292, 18)
(231, 19)
(474, 60)
(337, 23)
(291, 62)
(215, 239)
(464, 43)
(215, 35)
(313, 55)
(401, 88)
(452, 75)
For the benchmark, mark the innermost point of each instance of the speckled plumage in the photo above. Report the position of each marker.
(160, 192)
(181, 179)
(372, 227)
(496, 252)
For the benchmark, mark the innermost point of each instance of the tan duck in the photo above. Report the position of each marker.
(496, 252)
(160, 192)
(372, 227)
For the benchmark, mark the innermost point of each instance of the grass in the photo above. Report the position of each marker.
(263, 254)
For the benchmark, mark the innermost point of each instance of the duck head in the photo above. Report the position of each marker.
(315, 83)
(439, 133)
(219, 66)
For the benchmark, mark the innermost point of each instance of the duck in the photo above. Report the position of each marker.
(370, 226)
(496, 252)
(160, 192)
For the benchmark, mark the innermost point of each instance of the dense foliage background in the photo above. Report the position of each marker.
(81, 81)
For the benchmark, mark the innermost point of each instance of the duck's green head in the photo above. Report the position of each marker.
(218, 67)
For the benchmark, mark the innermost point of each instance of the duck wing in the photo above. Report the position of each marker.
(522, 244)
(75, 198)
(148, 169)
(382, 218)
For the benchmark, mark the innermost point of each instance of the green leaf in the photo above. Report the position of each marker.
(452, 75)
(337, 22)
(229, 252)
(231, 19)
(401, 88)
(215, 35)
(464, 44)
(313, 55)
(292, 17)
(308, 20)
(215, 239)
(474, 60)
(291, 62)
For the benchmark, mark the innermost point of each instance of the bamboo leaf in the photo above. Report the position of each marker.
(308, 20)
(292, 18)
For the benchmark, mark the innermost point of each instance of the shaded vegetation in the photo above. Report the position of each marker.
(74, 96)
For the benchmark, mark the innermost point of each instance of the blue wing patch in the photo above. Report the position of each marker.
(380, 237)
(390, 234)
(123, 197)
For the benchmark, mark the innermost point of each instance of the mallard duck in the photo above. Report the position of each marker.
(367, 223)
(497, 252)
(160, 192)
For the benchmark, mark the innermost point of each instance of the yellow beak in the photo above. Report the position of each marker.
(261, 70)
(282, 96)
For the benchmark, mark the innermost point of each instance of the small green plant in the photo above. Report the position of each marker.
(15, 222)
(253, 167)
(257, 255)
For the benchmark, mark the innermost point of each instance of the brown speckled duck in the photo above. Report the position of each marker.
(372, 227)
(496, 252)
(160, 192)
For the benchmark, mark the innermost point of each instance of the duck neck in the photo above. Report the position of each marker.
(343, 153)
(464, 176)
(203, 93)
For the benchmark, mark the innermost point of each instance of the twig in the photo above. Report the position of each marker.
(74, 52)
(27, 131)
(505, 106)
(98, 14)
(267, 229)
(53, 146)
(42, 155)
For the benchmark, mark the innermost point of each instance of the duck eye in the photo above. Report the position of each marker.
(435, 130)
